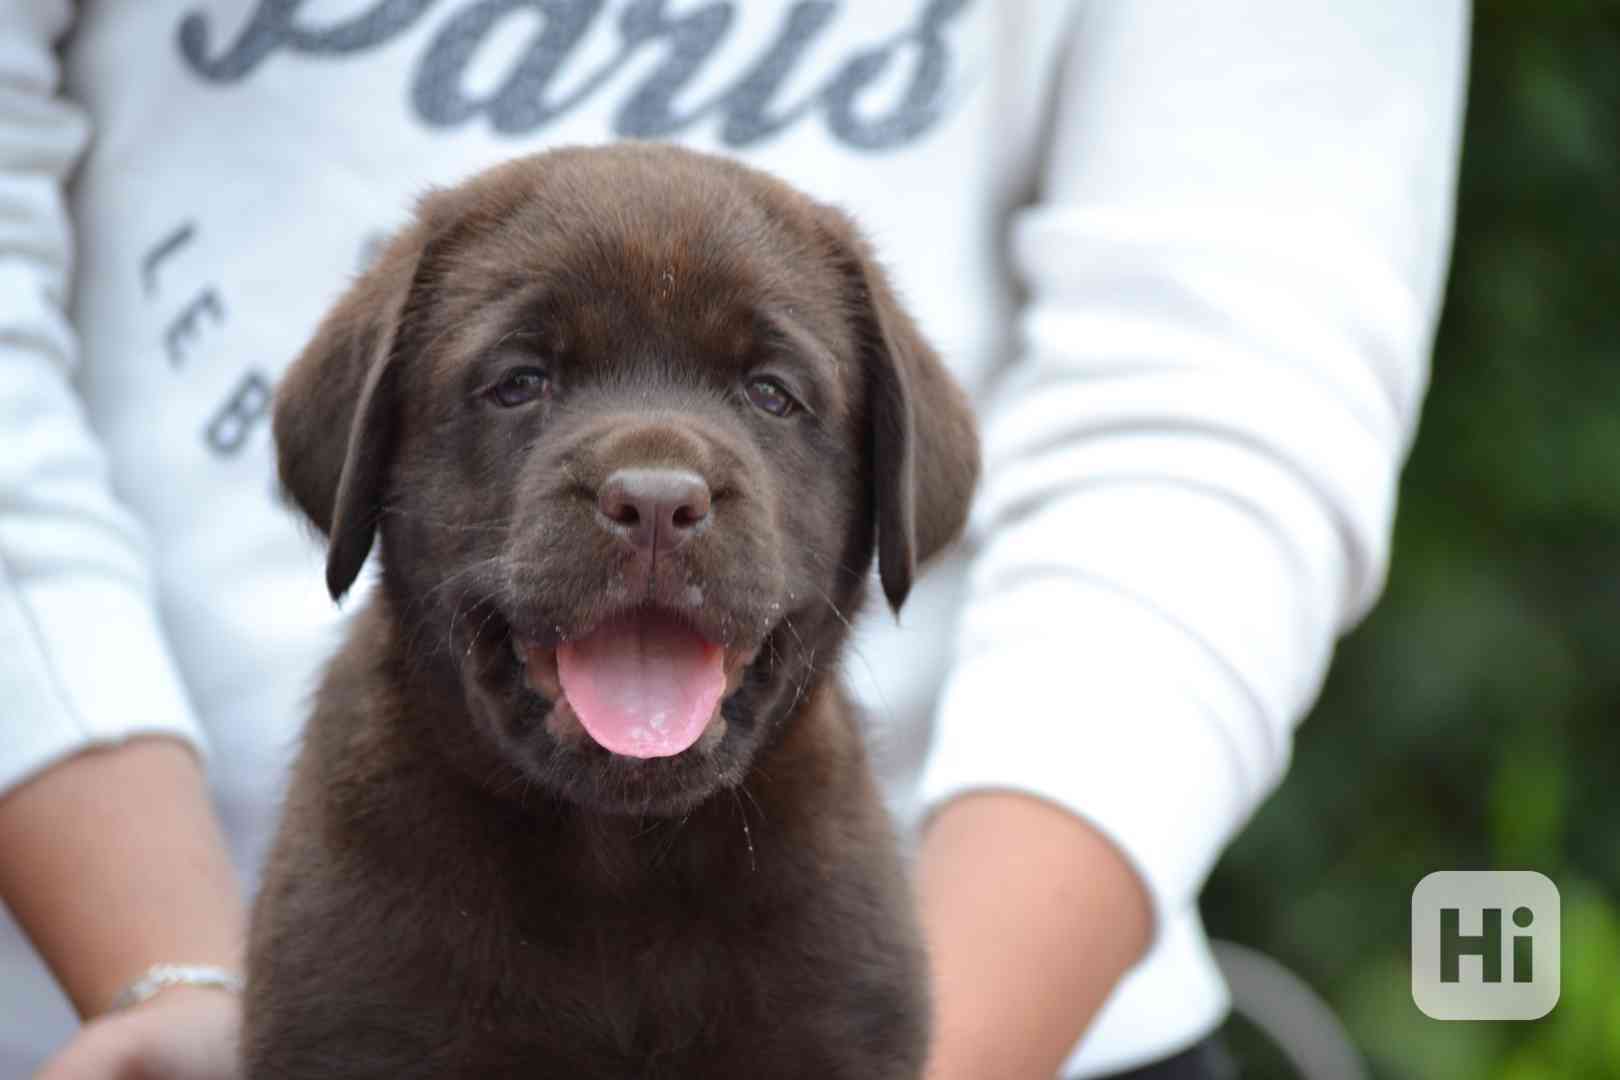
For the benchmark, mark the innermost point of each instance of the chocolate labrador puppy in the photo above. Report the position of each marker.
(581, 797)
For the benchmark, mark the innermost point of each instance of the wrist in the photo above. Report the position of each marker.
(161, 978)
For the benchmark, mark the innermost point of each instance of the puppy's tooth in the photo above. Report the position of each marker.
(517, 651)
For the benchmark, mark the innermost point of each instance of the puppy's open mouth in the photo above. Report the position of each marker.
(643, 684)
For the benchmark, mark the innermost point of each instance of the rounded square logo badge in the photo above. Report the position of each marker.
(1485, 945)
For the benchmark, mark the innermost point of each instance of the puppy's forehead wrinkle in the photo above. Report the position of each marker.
(669, 232)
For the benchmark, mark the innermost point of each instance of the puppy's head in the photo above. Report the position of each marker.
(631, 424)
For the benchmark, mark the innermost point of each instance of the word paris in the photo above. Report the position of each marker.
(527, 97)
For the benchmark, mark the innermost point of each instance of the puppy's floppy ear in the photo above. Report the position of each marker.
(923, 443)
(336, 412)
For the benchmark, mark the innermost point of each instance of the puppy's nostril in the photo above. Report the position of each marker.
(617, 501)
(690, 499)
(657, 508)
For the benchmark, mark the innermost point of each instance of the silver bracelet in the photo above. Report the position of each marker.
(161, 976)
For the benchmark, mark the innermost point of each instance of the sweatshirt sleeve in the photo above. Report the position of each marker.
(82, 655)
(1233, 272)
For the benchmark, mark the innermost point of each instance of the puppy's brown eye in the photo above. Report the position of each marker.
(520, 386)
(769, 395)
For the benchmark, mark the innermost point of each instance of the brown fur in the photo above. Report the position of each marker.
(465, 884)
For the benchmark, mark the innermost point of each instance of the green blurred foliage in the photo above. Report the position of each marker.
(1473, 721)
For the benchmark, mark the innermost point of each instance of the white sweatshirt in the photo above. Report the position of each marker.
(1199, 249)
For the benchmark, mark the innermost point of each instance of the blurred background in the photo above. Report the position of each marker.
(1473, 721)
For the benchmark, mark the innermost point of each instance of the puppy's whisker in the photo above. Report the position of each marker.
(855, 650)
(456, 615)
(473, 644)
(674, 835)
(787, 622)
(494, 524)
(471, 570)
(419, 607)
(828, 562)
(833, 606)
(416, 614)
(514, 777)
(744, 788)
(800, 684)
(742, 815)
(871, 674)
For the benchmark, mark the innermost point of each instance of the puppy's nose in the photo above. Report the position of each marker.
(656, 509)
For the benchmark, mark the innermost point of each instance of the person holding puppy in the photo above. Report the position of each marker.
(1187, 262)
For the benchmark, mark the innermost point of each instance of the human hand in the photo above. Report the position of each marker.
(183, 1033)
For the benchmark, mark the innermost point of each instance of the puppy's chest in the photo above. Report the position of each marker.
(600, 988)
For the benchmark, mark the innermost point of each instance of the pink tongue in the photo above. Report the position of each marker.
(644, 686)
